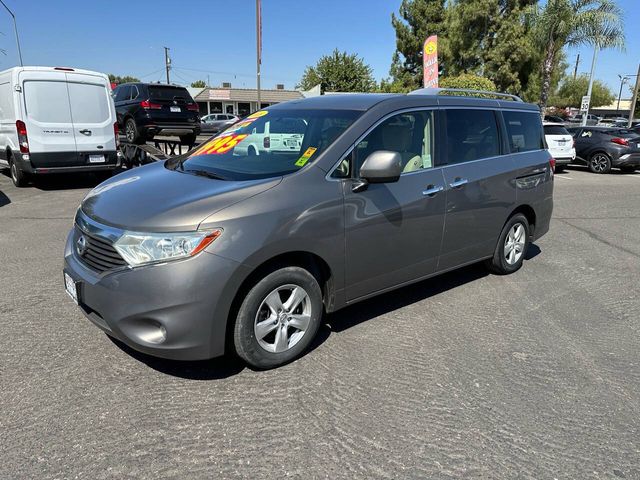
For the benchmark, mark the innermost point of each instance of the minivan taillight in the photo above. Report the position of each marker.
(193, 107)
(266, 142)
(23, 141)
(147, 105)
(552, 164)
(621, 141)
(116, 132)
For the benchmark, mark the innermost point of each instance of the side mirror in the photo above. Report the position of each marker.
(382, 166)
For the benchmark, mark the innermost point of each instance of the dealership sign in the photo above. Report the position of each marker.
(430, 62)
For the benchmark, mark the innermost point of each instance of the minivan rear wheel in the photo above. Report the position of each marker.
(278, 318)
(600, 163)
(512, 246)
(18, 177)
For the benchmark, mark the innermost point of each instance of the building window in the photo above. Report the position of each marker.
(264, 105)
(202, 107)
(244, 109)
(215, 107)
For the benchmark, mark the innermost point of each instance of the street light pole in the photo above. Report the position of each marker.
(623, 80)
(15, 29)
(258, 47)
(167, 62)
(585, 115)
(635, 99)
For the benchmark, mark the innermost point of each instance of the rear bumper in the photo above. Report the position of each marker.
(66, 162)
(170, 129)
(627, 160)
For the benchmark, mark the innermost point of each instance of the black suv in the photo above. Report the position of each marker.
(145, 110)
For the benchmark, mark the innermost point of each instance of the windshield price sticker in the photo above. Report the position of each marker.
(302, 161)
(220, 144)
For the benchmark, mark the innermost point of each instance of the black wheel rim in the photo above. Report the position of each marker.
(130, 131)
(599, 163)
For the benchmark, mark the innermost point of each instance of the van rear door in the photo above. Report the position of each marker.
(93, 116)
(47, 115)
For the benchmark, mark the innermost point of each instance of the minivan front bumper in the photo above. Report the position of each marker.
(176, 310)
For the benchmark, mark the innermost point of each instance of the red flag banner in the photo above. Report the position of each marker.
(430, 62)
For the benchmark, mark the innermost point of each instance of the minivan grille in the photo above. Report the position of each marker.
(99, 254)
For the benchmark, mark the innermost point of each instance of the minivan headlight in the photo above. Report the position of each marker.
(139, 248)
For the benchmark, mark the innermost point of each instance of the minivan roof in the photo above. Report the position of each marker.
(54, 69)
(365, 101)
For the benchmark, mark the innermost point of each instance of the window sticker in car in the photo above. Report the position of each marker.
(221, 144)
(302, 161)
(248, 121)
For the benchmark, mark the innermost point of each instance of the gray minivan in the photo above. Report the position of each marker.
(218, 250)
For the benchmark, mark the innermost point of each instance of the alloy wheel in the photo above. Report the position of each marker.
(514, 244)
(599, 162)
(130, 131)
(283, 318)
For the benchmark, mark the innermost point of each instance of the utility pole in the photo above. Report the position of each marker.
(632, 112)
(15, 30)
(258, 47)
(585, 115)
(575, 70)
(167, 63)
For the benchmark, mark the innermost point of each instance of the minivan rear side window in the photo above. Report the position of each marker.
(47, 101)
(471, 135)
(524, 131)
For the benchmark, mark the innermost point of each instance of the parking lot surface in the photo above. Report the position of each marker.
(468, 375)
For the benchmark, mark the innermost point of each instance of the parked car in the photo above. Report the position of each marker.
(56, 120)
(277, 135)
(591, 119)
(148, 109)
(560, 144)
(554, 119)
(216, 122)
(614, 122)
(222, 250)
(604, 148)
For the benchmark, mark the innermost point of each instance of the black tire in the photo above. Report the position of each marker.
(189, 140)
(132, 133)
(254, 306)
(19, 178)
(628, 169)
(599, 162)
(251, 151)
(499, 264)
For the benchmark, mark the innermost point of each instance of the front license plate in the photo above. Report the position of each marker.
(70, 287)
(96, 159)
(175, 109)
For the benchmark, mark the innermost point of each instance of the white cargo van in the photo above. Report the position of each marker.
(56, 119)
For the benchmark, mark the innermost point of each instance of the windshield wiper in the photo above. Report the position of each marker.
(205, 173)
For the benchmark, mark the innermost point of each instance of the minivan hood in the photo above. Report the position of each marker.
(156, 199)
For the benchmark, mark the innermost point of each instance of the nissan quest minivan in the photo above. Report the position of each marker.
(221, 250)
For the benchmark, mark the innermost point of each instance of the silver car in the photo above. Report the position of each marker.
(217, 251)
(216, 122)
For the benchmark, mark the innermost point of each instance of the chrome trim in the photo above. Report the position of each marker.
(459, 183)
(432, 191)
(91, 227)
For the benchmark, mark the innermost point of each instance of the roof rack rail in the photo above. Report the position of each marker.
(438, 91)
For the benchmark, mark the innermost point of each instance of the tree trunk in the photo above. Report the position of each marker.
(547, 70)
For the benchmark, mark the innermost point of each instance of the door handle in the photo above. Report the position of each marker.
(458, 182)
(86, 132)
(431, 190)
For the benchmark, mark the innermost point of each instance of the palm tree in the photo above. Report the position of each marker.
(562, 23)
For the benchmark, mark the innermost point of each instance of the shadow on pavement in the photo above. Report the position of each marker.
(229, 365)
(66, 181)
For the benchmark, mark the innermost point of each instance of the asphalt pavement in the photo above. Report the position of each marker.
(468, 375)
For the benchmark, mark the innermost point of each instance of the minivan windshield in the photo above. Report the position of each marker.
(268, 143)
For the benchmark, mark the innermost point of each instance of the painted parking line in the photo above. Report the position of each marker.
(563, 177)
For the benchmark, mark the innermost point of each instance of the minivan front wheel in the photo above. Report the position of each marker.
(278, 318)
(600, 163)
(512, 246)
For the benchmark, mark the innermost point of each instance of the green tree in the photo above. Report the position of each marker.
(560, 23)
(340, 72)
(468, 81)
(417, 20)
(199, 84)
(125, 79)
(572, 90)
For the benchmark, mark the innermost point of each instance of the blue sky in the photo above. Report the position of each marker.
(217, 38)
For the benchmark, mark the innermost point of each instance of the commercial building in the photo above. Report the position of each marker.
(239, 101)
